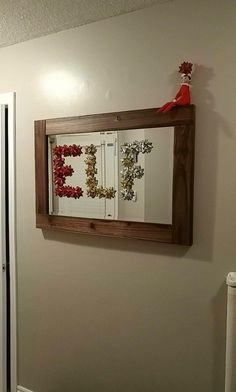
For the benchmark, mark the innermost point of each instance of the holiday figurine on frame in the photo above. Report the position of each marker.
(183, 95)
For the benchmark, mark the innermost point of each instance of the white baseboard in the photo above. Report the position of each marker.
(22, 389)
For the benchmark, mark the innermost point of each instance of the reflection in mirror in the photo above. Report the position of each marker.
(119, 175)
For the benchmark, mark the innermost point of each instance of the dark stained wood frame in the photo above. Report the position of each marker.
(183, 121)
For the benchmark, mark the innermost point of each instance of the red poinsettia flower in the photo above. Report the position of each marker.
(69, 191)
(186, 68)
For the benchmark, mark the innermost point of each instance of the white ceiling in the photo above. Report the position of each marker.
(21, 20)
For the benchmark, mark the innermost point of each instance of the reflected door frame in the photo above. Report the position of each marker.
(8, 101)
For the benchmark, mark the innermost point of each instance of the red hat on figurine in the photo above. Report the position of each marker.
(186, 68)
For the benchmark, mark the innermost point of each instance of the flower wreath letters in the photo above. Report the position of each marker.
(130, 171)
(93, 190)
(61, 171)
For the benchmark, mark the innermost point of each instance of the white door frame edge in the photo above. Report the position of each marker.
(9, 99)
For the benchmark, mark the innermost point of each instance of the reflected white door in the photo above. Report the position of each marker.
(107, 176)
(2, 254)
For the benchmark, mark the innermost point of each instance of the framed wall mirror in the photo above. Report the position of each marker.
(125, 174)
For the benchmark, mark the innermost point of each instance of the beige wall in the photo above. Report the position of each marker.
(98, 314)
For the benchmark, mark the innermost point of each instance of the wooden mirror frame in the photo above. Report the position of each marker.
(183, 121)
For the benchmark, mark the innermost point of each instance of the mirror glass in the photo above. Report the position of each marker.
(118, 175)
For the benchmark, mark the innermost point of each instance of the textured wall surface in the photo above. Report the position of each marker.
(109, 315)
(21, 20)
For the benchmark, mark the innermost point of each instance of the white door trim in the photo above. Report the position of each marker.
(3, 310)
(9, 100)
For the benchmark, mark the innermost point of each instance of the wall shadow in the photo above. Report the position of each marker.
(121, 244)
(209, 125)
